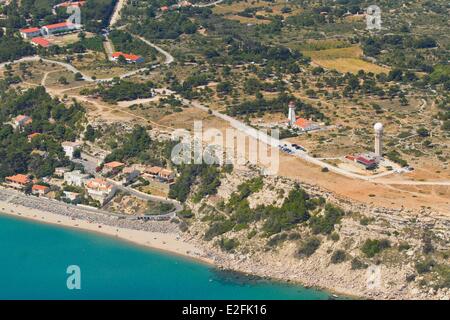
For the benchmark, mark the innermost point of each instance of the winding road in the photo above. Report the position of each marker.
(239, 125)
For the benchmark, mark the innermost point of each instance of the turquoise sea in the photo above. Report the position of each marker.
(34, 258)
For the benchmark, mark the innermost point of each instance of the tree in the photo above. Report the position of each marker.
(63, 80)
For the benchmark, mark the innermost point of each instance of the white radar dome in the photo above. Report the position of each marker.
(378, 126)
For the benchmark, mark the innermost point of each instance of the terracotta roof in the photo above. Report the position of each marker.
(19, 178)
(22, 117)
(131, 57)
(38, 187)
(114, 164)
(71, 4)
(166, 172)
(29, 30)
(365, 161)
(154, 170)
(33, 135)
(99, 184)
(41, 41)
(302, 123)
(59, 25)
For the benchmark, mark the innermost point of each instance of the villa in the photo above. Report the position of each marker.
(75, 178)
(73, 197)
(113, 167)
(40, 190)
(70, 148)
(129, 174)
(130, 58)
(101, 190)
(32, 136)
(21, 121)
(18, 181)
(60, 171)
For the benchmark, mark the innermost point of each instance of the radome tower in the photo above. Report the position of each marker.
(378, 139)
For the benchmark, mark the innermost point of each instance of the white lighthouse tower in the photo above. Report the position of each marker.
(378, 139)
(291, 113)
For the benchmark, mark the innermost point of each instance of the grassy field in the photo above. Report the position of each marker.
(265, 9)
(343, 60)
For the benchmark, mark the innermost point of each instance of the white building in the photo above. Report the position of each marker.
(75, 178)
(101, 190)
(61, 27)
(29, 33)
(60, 171)
(71, 196)
(70, 147)
(129, 174)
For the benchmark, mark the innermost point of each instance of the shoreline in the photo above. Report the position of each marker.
(169, 243)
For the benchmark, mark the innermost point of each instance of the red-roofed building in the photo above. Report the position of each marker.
(367, 163)
(305, 125)
(18, 181)
(38, 189)
(59, 28)
(39, 41)
(22, 121)
(28, 33)
(164, 8)
(113, 167)
(32, 136)
(131, 58)
(71, 4)
(101, 190)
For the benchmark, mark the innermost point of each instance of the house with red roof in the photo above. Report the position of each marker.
(28, 33)
(113, 167)
(18, 181)
(306, 125)
(130, 58)
(40, 42)
(100, 190)
(32, 136)
(22, 121)
(367, 162)
(71, 4)
(40, 190)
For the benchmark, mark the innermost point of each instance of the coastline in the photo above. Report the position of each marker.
(166, 242)
(170, 243)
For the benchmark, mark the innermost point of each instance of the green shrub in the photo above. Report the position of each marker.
(185, 214)
(228, 244)
(325, 224)
(358, 264)
(308, 247)
(338, 256)
(424, 266)
(372, 247)
(335, 236)
(218, 228)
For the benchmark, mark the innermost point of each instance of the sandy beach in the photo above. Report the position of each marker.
(169, 242)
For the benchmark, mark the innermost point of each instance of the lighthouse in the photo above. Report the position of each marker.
(291, 114)
(378, 139)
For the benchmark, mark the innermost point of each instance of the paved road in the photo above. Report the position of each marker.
(169, 58)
